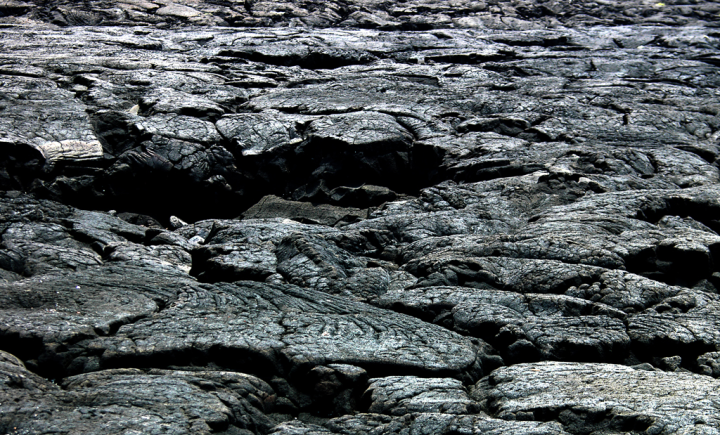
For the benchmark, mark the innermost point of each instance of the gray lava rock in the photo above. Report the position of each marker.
(522, 327)
(398, 395)
(323, 214)
(419, 423)
(369, 205)
(129, 400)
(267, 326)
(603, 397)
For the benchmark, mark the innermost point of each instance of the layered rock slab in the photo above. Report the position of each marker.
(155, 315)
(445, 424)
(132, 401)
(51, 125)
(400, 395)
(603, 397)
(281, 329)
(522, 327)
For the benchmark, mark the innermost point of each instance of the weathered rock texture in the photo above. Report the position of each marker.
(350, 217)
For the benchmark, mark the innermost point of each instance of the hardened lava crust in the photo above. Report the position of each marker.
(360, 217)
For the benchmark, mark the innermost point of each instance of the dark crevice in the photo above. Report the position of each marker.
(707, 155)
(655, 350)
(312, 60)
(6, 72)
(677, 265)
(583, 421)
(560, 41)
(471, 58)
(22, 346)
(113, 327)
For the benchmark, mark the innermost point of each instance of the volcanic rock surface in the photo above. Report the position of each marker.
(349, 217)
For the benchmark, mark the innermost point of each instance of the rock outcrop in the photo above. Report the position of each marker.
(345, 217)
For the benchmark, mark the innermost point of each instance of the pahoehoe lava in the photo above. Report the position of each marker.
(360, 217)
